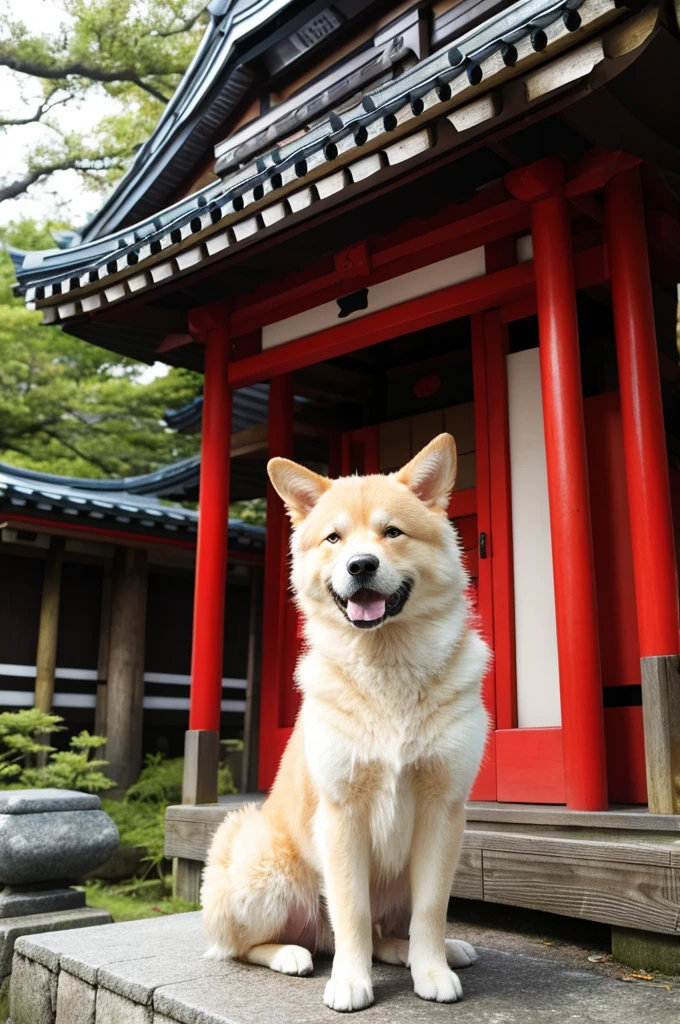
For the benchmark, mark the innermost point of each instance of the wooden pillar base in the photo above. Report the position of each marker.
(201, 763)
(186, 879)
(661, 716)
(647, 951)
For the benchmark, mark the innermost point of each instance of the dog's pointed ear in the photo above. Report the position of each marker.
(299, 487)
(431, 474)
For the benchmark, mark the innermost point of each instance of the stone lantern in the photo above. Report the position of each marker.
(49, 838)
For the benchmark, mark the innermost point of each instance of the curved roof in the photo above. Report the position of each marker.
(241, 35)
(390, 121)
(109, 503)
(167, 480)
(249, 408)
(210, 90)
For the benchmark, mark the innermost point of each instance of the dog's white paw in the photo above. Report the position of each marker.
(460, 953)
(346, 993)
(292, 960)
(439, 985)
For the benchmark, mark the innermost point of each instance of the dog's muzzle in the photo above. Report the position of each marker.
(366, 608)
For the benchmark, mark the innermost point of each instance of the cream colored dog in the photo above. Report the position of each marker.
(357, 844)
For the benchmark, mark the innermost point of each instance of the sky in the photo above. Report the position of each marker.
(64, 197)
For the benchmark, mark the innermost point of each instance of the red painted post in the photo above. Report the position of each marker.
(211, 325)
(572, 546)
(649, 500)
(272, 739)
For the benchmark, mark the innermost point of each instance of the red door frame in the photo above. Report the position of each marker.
(359, 453)
(503, 294)
(491, 301)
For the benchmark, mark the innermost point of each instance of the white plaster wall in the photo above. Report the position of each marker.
(454, 270)
(538, 694)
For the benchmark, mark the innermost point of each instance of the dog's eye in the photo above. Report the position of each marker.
(333, 538)
(393, 531)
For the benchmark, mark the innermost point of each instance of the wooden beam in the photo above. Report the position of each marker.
(103, 656)
(482, 293)
(126, 665)
(488, 216)
(249, 441)
(48, 629)
(60, 529)
(661, 717)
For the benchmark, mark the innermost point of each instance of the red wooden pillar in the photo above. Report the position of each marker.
(273, 734)
(210, 325)
(542, 184)
(642, 418)
(649, 502)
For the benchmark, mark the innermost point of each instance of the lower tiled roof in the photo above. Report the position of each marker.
(28, 492)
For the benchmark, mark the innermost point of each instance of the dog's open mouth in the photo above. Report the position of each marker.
(367, 609)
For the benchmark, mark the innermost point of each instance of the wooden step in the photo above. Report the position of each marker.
(614, 871)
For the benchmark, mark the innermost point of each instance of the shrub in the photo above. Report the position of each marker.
(72, 769)
(22, 740)
(141, 815)
(142, 825)
(159, 782)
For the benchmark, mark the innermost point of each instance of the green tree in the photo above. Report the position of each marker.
(132, 51)
(69, 407)
(65, 406)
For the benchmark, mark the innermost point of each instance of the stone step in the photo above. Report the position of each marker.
(153, 972)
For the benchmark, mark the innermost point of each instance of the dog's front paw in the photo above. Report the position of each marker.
(439, 985)
(292, 960)
(460, 953)
(347, 993)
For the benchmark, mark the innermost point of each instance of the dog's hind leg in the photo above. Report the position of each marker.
(286, 959)
(390, 951)
(259, 900)
(387, 950)
(460, 953)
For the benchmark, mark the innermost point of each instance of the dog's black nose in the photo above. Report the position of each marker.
(362, 564)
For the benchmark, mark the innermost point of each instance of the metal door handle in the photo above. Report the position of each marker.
(482, 545)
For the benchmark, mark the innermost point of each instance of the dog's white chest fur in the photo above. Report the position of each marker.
(391, 820)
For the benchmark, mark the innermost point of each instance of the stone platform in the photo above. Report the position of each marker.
(12, 928)
(152, 972)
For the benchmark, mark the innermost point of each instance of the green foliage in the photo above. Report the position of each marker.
(20, 740)
(159, 782)
(69, 407)
(72, 769)
(141, 824)
(133, 901)
(140, 817)
(253, 511)
(66, 406)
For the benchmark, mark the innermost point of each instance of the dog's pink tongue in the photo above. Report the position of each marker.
(366, 606)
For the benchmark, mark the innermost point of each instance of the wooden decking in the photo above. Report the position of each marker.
(621, 867)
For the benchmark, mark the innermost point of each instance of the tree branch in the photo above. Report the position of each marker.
(38, 70)
(81, 455)
(21, 185)
(43, 109)
(184, 26)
